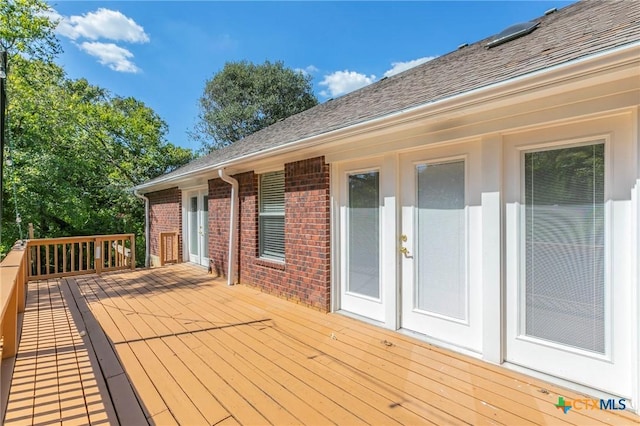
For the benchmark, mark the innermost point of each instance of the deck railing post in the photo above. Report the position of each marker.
(97, 250)
(21, 282)
(163, 248)
(10, 327)
(132, 252)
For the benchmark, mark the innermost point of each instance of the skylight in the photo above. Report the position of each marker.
(513, 32)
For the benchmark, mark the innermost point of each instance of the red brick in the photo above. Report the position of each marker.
(305, 275)
(165, 215)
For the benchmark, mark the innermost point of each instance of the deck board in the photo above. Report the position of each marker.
(54, 380)
(187, 349)
(525, 389)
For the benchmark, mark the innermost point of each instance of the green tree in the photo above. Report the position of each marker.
(76, 151)
(244, 98)
(25, 28)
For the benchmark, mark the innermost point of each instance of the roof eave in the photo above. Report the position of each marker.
(480, 96)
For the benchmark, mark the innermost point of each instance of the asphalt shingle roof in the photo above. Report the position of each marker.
(576, 31)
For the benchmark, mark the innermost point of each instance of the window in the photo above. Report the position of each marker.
(271, 215)
(441, 272)
(565, 246)
(364, 234)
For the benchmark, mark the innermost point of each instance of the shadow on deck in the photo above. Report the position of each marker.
(173, 346)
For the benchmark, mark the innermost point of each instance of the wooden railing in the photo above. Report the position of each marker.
(51, 258)
(61, 257)
(168, 247)
(13, 277)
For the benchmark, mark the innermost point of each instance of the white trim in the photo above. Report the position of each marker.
(147, 229)
(635, 254)
(559, 381)
(608, 178)
(335, 272)
(347, 175)
(635, 290)
(198, 192)
(374, 308)
(194, 187)
(493, 327)
(496, 92)
(466, 334)
(390, 239)
(268, 169)
(619, 377)
(283, 215)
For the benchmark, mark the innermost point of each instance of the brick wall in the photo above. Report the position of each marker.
(165, 215)
(305, 276)
(219, 209)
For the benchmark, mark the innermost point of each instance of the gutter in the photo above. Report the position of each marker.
(147, 240)
(233, 227)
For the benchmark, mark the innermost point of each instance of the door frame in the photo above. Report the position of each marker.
(615, 265)
(389, 271)
(467, 335)
(494, 201)
(488, 154)
(187, 194)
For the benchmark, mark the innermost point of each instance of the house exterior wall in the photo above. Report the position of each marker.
(165, 215)
(565, 109)
(304, 277)
(219, 209)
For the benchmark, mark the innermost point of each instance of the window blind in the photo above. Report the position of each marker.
(565, 253)
(271, 215)
(441, 284)
(364, 234)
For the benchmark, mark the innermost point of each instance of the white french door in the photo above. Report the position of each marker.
(421, 254)
(568, 299)
(440, 287)
(198, 227)
(361, 290)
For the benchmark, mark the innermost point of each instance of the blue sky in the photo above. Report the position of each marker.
(162, 52)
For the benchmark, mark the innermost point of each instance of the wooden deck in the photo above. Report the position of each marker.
(172, 346)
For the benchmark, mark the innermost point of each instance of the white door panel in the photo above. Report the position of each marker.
(361, 219)
(441, 283)
(198, 227)
(566, 287)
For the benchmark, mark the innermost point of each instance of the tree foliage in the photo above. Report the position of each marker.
(76, 150)
(26, 29)
(244, 98)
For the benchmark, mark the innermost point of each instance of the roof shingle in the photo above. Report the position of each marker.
(576, 31)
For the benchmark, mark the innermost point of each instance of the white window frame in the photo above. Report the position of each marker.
(262, 214)
(521, 324)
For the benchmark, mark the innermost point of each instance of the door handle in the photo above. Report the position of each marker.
(405, 251)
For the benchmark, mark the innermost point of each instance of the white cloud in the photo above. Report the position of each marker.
(101, 24)
(115, 57)
(341, 82)
(310, 69)
(398, 67)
